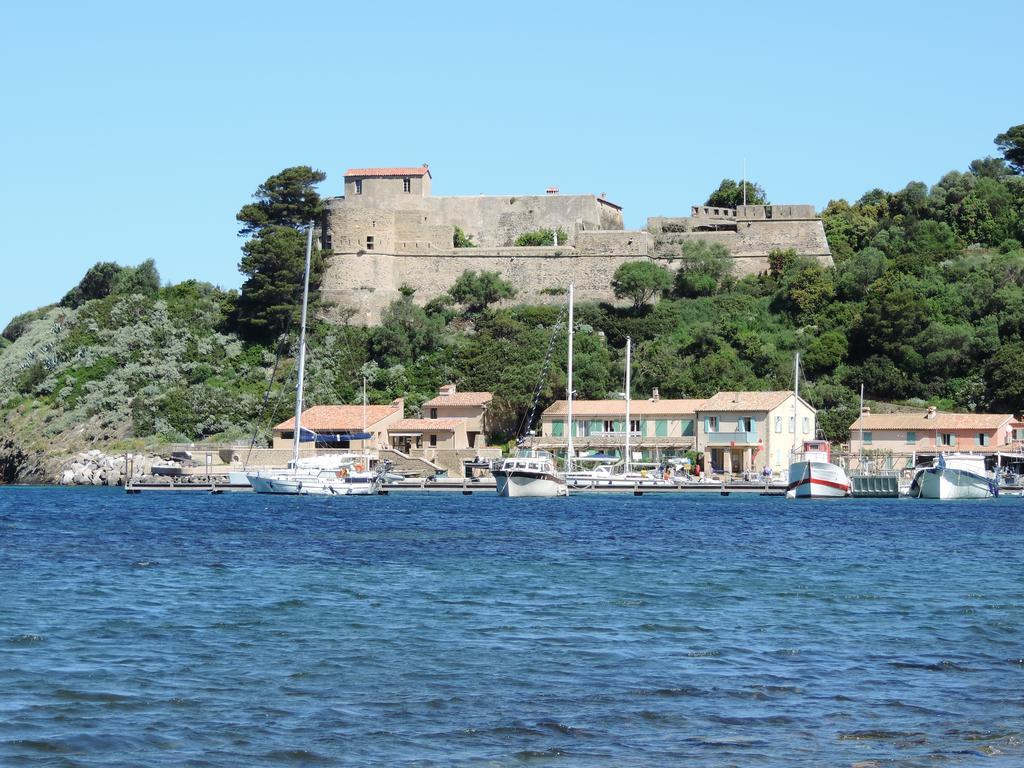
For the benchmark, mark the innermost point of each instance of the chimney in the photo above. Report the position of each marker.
(655, 395)
(446, 390)
(866, 410)
(931, 412)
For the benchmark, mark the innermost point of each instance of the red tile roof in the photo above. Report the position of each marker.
(745, 401)
(665, 407)
(420, 171)
(341, 417)
(460, 399)
(941, 421)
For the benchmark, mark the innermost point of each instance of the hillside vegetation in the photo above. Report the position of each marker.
(925, 305)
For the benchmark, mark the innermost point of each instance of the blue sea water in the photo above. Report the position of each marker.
(450, 630)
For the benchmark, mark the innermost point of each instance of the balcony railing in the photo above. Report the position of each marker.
(730, 438)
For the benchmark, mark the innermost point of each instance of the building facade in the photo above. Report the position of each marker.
(744, 432)
(894, 440)
(658, 429)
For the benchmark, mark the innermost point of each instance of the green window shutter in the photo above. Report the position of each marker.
(661, 428)
(557, 428)
(911, 437)
(707, 425)
(867, 438)
(687, 427)
(643, 427)
(952, 439)
(595, 427)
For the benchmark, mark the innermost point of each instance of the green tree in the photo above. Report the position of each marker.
(274, 264)
(143, 279)
(97, 283)
(640, 281)
(286, 199)
(545, 236)
(478, 290)
(730, 194)
(706, 268)
(274, 258)
(461, 240)
(1011, 144)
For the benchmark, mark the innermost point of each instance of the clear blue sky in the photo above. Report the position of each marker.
(132, 131)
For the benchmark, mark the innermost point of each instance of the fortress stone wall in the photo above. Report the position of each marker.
(388, 231)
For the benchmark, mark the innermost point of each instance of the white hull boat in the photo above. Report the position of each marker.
(813, 476)
(292, 483)
(817, 480)
(954, 476)
(529, 474)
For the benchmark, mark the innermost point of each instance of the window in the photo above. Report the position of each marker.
(359, 186)
(710, 424)
(983, 439)
(433, 413)
(1018, 434)
(867, 438)
(807, 426)
(369, 242)
(792, 425)
(686, 427)
(745, 424)
(406, 185)
(778, 424)
(433, 441)
(947, 439)
(634, 426)
(661, 428)
(612, 426)
(911, 438)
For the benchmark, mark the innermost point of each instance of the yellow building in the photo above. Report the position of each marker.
(658, 428)
(742, 432)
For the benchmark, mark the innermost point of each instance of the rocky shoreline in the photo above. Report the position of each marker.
(97, 468)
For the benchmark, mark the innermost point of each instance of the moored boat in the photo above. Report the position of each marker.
(812, 475)
(954, 476)
(529, 473)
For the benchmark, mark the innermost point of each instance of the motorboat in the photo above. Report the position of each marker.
(954, 476)
(812, 475)
(530, 473)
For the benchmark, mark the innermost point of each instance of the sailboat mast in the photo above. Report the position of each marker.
(860, 457)
(568, 412)
(629, 345)
(796, 395)
(297, 441)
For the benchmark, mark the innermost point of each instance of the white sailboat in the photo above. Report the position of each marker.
(345, 475)
(954, 476)
(812, 475)
(532, 473)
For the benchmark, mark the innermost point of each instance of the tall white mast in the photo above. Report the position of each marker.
(568, 412)
(629, 344)
(302, 351)
(860, 459)
(796, 395)
(744, 181)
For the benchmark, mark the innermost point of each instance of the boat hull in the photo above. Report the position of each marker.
(817, 480)
(948, 483)
(517, 484)
(312, 486)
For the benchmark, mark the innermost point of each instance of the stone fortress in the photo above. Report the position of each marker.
(388, 231)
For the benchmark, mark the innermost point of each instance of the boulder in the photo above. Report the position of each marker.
(67, 477)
